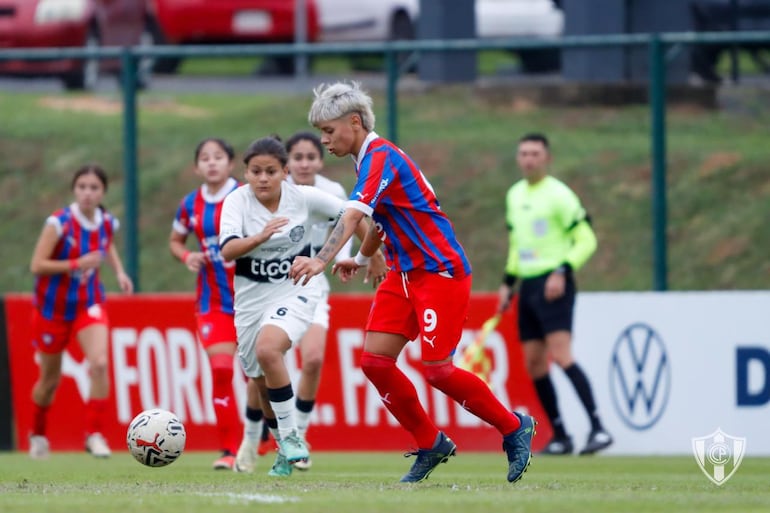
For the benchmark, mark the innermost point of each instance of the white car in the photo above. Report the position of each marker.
(384, 20)
(367, 20)
(518, 18)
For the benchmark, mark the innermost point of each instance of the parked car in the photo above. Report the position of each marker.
(74, 24)
(537, 19)
(228, 22)
(367, 20)
(384, 20)
(95, 23)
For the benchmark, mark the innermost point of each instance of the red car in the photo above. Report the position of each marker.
(94, 23)
(73, 23)
(229, 21)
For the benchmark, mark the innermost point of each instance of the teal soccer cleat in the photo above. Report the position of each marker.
(293, 448)
(281, 467)
(429, 459)
(518, 447)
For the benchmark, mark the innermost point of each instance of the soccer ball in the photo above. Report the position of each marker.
(156, 438)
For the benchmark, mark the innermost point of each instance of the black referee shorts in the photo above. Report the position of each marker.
(538, 317)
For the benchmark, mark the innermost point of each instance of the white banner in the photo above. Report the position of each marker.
(670, 367)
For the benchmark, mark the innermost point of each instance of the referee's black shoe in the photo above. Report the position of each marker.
(559, 447)
(598, 439)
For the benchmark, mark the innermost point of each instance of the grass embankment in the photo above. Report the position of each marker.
(719, 190)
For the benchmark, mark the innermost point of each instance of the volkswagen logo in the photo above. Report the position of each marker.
(640, 376)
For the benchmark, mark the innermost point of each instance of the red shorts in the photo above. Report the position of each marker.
(52, 336)
(422, 303)
(215, 327)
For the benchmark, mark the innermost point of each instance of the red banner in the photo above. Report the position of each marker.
(155, 361)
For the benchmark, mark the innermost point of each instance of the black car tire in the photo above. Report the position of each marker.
(541, 60)
(163, 65)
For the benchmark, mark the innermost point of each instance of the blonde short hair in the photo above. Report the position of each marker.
(332, 101)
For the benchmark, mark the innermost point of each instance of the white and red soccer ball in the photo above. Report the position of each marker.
(156, 438)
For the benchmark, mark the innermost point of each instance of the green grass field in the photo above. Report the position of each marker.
(367, 482)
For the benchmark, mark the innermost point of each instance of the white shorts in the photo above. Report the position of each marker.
(321, 314)
(292, 315)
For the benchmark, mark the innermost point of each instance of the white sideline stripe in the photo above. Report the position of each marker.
(252, 497)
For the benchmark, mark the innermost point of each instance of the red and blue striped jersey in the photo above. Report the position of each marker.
(199, 213)
(417, 234)
(61, 296)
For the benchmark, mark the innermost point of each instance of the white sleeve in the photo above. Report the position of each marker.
(54, 221)
(179, 228)
(322, 204)
(231, 219)
(339, 191)
(331, 207)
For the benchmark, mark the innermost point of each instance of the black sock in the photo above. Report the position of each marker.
(304, 405)
(253, 414)
(547, 394)
(583, 388)
(266, 429)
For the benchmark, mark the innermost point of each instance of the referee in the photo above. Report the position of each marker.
(550, 238)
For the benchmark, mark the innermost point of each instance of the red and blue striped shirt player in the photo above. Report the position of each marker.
(423, 299)
(392, 190)
(69, 305)
(62, 296)
(198, 214)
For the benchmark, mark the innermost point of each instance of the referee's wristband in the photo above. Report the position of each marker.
(361, 260)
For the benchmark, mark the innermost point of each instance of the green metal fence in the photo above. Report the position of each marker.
(658, 46)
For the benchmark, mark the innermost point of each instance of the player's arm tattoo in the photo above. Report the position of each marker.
(334, 243)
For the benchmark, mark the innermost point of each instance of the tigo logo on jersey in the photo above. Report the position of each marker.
(255, 269)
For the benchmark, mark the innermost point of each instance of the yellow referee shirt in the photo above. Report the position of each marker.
(547, 228)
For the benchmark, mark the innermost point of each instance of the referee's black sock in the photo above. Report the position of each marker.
(547, 394)
(583, 388)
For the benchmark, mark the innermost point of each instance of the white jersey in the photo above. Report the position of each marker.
(320, 231)
(261, 276)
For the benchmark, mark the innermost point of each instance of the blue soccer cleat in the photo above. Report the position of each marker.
(518, 447)
(428, 459)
